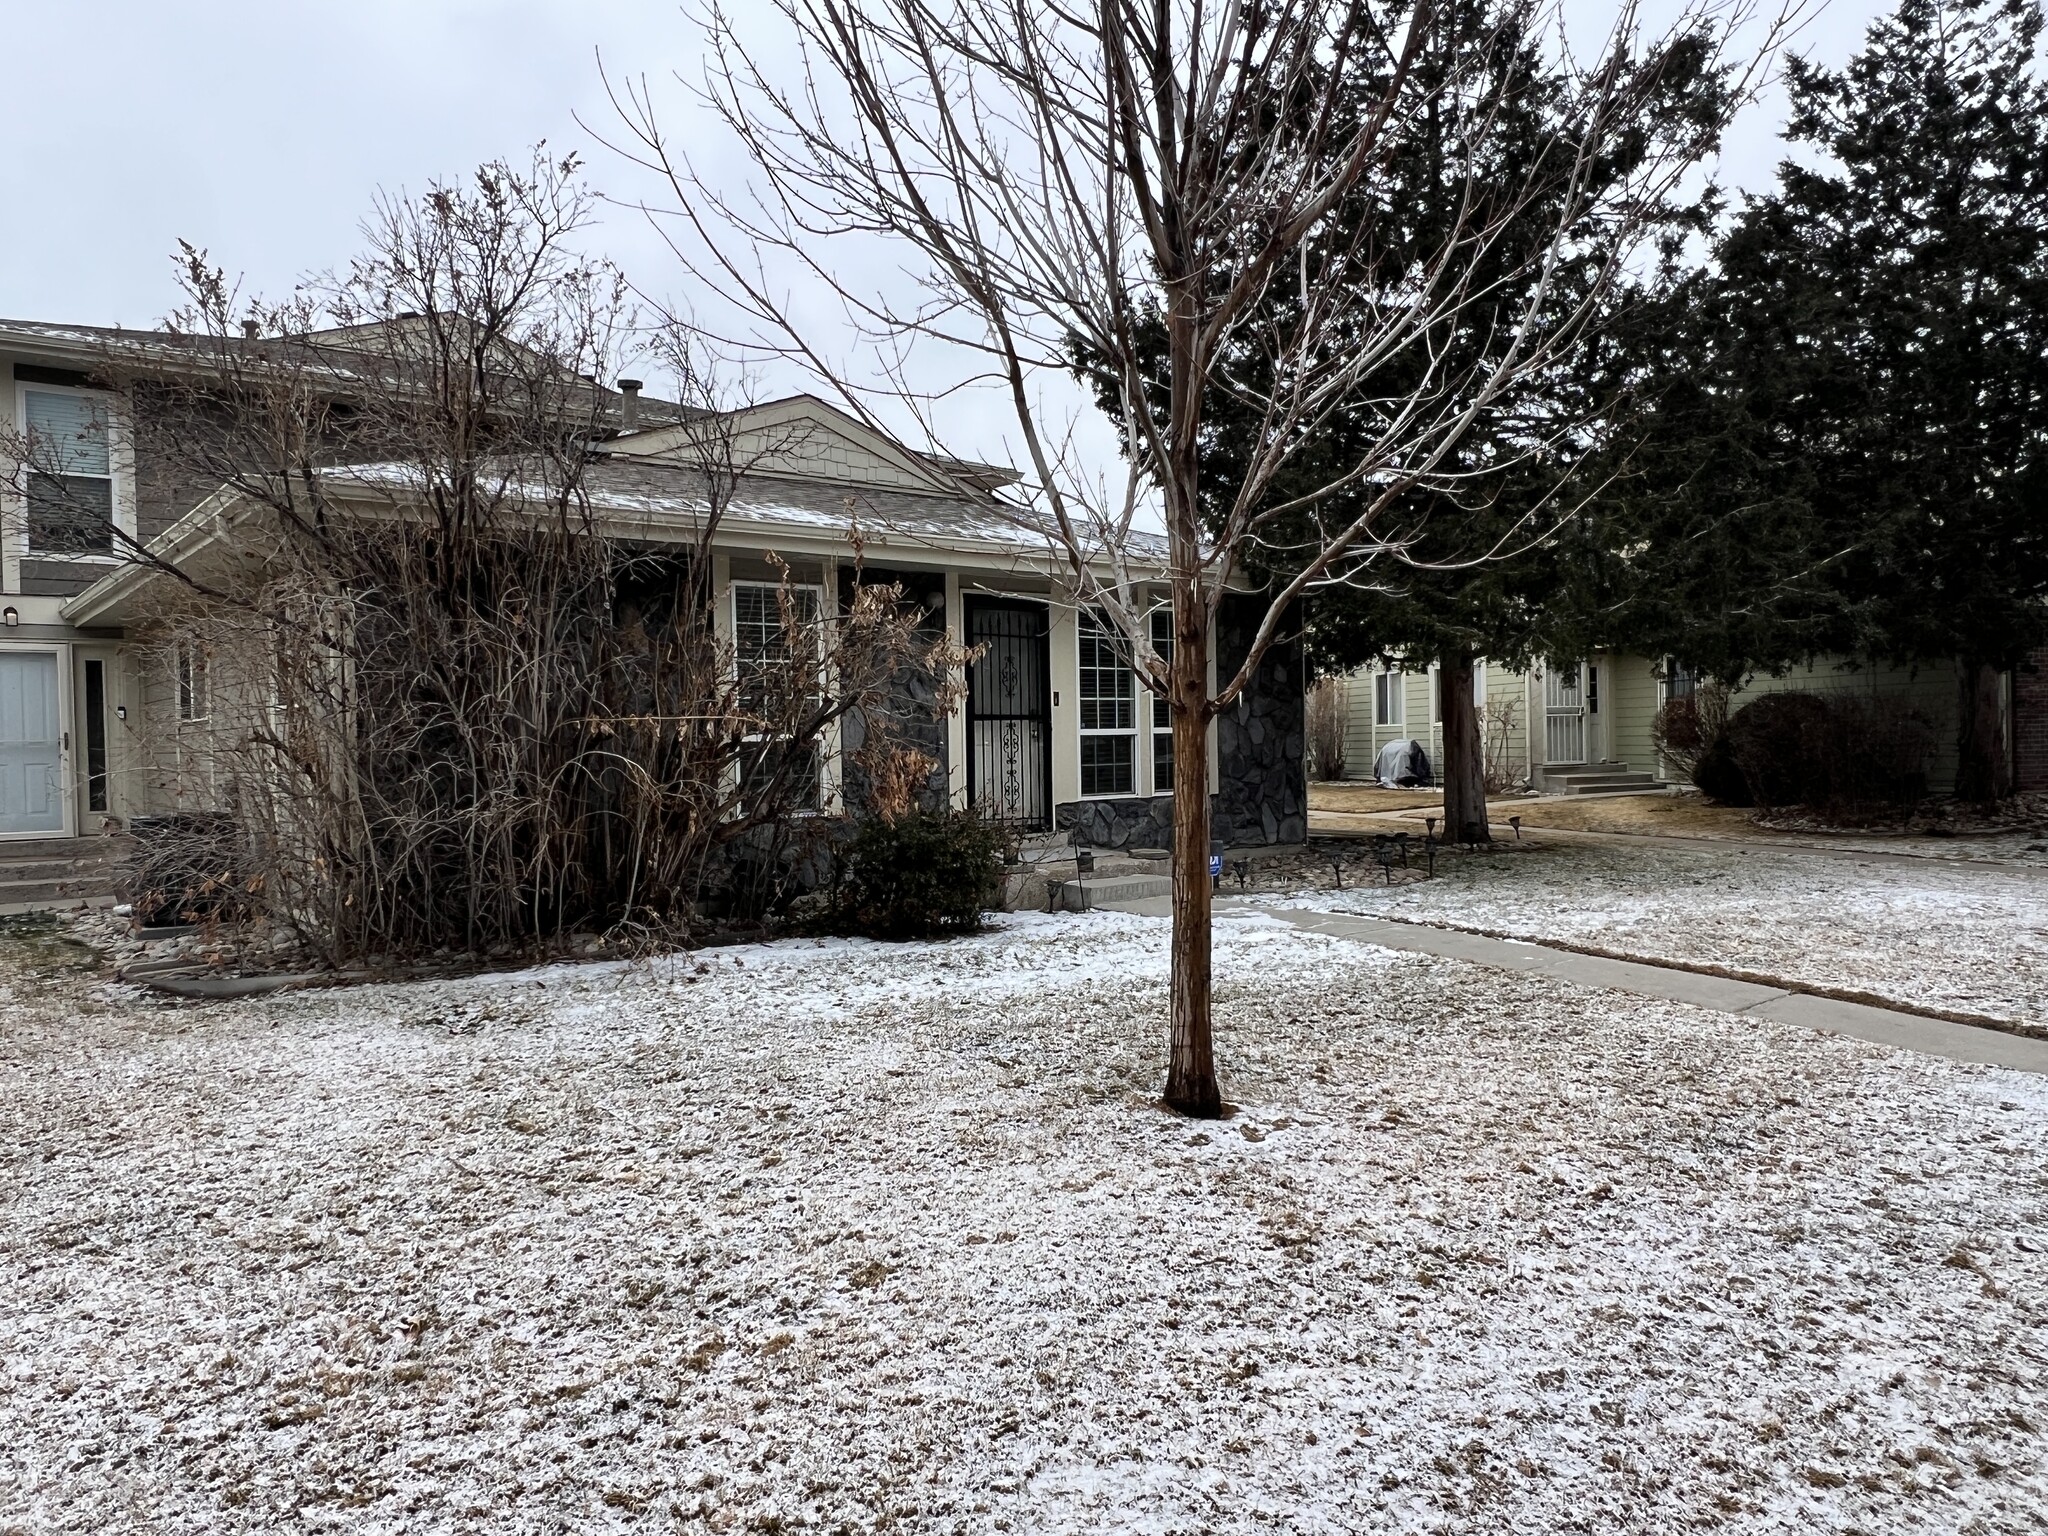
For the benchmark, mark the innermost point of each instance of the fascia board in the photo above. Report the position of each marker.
(212, 522)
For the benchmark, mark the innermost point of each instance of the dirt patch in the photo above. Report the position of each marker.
(42, 944)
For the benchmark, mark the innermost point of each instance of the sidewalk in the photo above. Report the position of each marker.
(1884, 1026)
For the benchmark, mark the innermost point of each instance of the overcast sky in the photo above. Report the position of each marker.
(262, 129)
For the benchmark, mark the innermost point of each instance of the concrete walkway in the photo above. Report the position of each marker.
(1784, 847)
(1885, 1026)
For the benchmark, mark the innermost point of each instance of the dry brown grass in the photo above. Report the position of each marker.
(1657, 815)
(1361, 799)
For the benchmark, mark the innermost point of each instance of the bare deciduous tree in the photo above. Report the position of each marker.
(1066, 175)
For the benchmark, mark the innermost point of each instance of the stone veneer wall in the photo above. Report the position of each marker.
(1262, 791)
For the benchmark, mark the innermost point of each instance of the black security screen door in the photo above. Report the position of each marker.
(1009, 714)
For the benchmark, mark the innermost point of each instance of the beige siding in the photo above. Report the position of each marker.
(1631, 693)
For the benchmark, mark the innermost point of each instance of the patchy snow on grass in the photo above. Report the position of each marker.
(854, 1237)
(1968, 939)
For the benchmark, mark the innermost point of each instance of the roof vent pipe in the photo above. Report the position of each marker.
(629, 404)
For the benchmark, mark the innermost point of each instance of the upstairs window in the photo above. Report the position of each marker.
(70, 473)
(1109, 715)
(1162, 717)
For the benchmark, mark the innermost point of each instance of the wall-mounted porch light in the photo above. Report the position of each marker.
(10, 616)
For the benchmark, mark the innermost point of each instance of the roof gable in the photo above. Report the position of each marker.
(799, 438)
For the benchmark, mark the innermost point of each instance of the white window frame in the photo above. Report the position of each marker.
(827, 756)
(1436, 686)
(191, 683)
(1389, 699)
(1155, 705)
(120, 478)
(1087, 625)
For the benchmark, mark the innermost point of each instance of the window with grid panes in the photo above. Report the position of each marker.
(1109, 714)
(1162, 717)
(775, 654)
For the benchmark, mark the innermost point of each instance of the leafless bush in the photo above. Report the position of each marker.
(1686, 726)
(1326, 729)
(1499, 720)
(450, 695)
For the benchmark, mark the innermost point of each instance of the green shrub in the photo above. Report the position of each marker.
(926, 875)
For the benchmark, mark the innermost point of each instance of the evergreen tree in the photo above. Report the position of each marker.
(1849, 407)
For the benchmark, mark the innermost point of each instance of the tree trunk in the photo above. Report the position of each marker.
(1191, 1060)
(1464, 762)
(1983, 761)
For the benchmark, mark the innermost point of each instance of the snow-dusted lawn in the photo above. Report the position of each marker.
(848, 1237)
(1962, 937)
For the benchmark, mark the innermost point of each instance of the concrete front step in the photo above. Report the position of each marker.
(1598, 779)
(1097, 891)
(16, 871)
(61, 847)
(39, 873)
(1609, 784)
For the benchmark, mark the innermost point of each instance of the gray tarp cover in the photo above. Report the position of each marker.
(1402, 765)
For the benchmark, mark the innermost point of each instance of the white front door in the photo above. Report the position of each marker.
(31, 744)
(1564, 713)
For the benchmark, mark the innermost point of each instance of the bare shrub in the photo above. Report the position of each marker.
(1499, 721)
(461, 693)
(1686, 726)
(1325, 719)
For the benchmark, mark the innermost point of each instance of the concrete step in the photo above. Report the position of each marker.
(38, 873)
(1608, 784)
(15, 871)
(28, 894)
(1099, 891)
(62, 847)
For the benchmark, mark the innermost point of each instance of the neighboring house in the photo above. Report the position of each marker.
(1055, 732)
(1586, 726)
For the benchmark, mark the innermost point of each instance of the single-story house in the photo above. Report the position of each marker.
(1055, 732)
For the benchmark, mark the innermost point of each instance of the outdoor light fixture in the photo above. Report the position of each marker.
(1429, 826)
(1516, 823)
(12, 616)
(120, 711)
